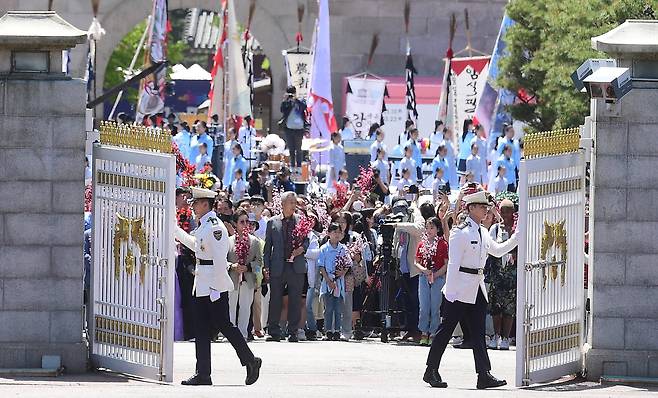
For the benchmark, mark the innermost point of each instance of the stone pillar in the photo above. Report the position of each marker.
(625, 212)
(42, 124)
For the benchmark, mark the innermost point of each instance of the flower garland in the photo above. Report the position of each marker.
(340, 197)
(183, 217)
(366, 180)
(185, 169)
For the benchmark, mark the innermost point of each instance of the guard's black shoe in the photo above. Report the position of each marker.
(253, 371)
(433, 378)
(273, 338)
(486, 380)
(197, 380)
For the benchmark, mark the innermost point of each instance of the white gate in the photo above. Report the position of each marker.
(131, 306)
(550, 281)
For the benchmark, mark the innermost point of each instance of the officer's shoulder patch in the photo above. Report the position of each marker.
(217, 234)
(213, 220)
(462, 225)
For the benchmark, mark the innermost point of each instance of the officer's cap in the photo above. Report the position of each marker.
(480, 197)
(202, 193)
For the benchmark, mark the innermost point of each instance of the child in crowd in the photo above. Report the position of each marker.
(343, 178)
(431, 260)
(238, 186)
(332, 289)
(405, 180)
(381, 164)
(202, 159)
(407, 162)
(500, 182)
(474, 163)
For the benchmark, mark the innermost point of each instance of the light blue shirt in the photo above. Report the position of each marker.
(327, 260)
(201, 161)
(238, 162)
(465, 145)
(415, 152)
(197, 140)
(409, 164)
(516, 149)
(510, 167)
(439, 163)
(182, 139)
(373, 150)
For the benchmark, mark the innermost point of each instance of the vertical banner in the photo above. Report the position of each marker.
(364, 103)
(469, 76)
(298, 71)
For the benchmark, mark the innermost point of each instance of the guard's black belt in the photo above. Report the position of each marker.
(473, 271)
(205, 262)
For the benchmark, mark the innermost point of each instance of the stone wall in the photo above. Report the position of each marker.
(353, 22)
(625, 248)
(42, 136)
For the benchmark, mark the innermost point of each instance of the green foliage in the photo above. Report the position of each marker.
(549, 40)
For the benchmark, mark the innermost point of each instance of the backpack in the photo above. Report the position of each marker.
(295, 119)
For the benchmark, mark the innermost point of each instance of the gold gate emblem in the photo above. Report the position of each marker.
(131, 231)
(555, 236)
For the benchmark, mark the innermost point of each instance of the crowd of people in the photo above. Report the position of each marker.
(308, 266)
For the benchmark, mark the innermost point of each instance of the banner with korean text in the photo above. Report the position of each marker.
(364, 103)
(468, 78)
(298, 70)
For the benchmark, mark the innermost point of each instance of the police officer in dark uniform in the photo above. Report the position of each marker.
(465, 293)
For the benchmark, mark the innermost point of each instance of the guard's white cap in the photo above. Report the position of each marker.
(482, 197)
(202, 193)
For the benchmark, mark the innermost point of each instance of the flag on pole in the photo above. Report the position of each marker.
(216, 74)
(239, 101)
(445, 85)
(410, 71)
(489, 112)
(151, 98)
(321, 104)
(249, 67)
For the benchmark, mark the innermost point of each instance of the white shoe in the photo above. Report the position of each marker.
(301, 335)
(344, 338)
(493, 344)
(504, 344)
(456, 340)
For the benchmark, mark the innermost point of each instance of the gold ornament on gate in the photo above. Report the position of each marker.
(555, 236)
(132, 232)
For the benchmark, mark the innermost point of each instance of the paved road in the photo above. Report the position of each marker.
(314, 369)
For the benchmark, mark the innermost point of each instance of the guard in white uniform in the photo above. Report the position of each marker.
(465, 293)
(210, 292)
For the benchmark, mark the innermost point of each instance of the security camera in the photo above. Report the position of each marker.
(587, 68)
(609, 83)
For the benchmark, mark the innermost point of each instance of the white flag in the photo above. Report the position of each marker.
(323, 122)
(239, 94)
